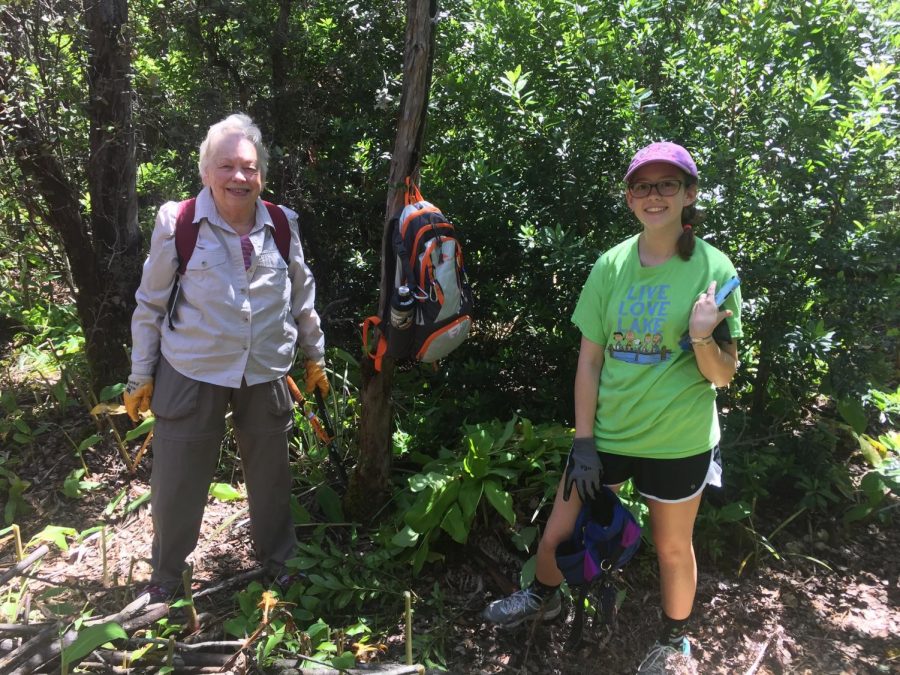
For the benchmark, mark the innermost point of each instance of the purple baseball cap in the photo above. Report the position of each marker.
(670, 153)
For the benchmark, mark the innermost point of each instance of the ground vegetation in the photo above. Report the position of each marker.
(534, 111)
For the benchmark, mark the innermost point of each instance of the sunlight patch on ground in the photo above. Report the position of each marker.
(864, 608)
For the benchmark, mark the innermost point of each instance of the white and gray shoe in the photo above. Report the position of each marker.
(521, 606)
(665, 659)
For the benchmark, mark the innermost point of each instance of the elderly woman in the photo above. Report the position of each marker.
(222, 334)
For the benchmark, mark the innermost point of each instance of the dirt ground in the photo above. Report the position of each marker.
(780, 618)
(793, 615)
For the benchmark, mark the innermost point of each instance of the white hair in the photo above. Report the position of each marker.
(237, 123)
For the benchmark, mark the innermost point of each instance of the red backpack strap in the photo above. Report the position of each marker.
(186, 231)
(282, 234)
(380, 348)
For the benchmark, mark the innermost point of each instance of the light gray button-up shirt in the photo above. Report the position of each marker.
(230, 323)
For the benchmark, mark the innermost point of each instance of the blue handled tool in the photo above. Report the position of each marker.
(721, 332)
(726, 290)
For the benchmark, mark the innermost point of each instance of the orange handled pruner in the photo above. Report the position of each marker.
(324, 432)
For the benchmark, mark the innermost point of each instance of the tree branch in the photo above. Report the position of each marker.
(20, 567)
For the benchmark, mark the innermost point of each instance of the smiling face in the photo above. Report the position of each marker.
(655, 211)
(233, 176)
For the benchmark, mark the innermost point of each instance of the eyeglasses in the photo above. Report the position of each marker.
(664, 188)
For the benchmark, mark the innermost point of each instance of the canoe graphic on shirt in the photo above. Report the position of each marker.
(642, 358)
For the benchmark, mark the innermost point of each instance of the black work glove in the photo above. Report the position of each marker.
(583, 469)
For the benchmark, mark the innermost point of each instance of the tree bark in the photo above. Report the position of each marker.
(112, 170)
(283, 116)
(20, 567)
(38, 162)
(369, 483)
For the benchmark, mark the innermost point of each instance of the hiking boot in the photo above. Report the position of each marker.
(158, 592)
(285, 580)
(521, 606)
(666, 659)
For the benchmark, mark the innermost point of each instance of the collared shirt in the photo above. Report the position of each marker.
(230, 323)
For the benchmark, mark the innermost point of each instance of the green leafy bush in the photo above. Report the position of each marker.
(450, 490)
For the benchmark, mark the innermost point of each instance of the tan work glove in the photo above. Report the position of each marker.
(315, 378)
(137, 395)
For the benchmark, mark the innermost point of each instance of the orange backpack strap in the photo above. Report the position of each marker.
(380, 348)
(412, 192)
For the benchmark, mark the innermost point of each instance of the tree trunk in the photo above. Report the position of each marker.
(112, 169)
(39, 164)
(105, 260)
(370, 482)
(283, 115)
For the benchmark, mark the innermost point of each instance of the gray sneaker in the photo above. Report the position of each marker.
(521, 606)
(663, 659)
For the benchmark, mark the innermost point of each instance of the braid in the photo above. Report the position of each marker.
(691, 216)
(685, 243)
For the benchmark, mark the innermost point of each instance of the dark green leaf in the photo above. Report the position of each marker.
(141, 429)
(853, 413)
(500, 500)
(454, 526)
(330, 503)
(90, 638)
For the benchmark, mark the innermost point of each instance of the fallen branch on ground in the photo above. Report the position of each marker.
(26, 649)
(20, 567)
(759, 657)
(134, 643)
(292, 666)
(107, 669)
(179, 660)
(22, 629)
(228, 583)
(47, 645)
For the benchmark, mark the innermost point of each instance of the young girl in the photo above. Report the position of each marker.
(649, 417)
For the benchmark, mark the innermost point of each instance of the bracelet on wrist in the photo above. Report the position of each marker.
(702, 340)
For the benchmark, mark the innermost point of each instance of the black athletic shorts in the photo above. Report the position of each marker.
(665, 480)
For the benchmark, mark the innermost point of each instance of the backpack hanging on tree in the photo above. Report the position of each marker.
(606, 536)
(429, 313)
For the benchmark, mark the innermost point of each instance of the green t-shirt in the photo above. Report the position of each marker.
(653, 400)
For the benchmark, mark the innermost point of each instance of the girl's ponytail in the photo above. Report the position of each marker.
(685, 243)
(691, 216)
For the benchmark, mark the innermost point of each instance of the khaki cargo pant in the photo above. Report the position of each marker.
(190, 425)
